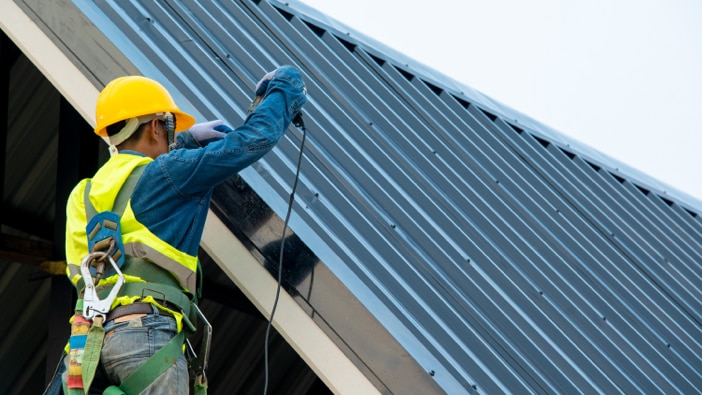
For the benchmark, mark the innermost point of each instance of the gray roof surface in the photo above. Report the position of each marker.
(502, 257)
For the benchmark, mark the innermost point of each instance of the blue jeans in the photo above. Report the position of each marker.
(128, 345)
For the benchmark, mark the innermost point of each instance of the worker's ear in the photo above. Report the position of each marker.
(154, 129)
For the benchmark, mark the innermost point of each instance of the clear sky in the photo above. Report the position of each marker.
(621, 76)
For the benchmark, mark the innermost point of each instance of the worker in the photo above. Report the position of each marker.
(160, 186)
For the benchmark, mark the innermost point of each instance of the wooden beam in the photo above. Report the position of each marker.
(30, 252)
(24, 250)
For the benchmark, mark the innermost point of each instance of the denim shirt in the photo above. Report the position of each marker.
(173, 195)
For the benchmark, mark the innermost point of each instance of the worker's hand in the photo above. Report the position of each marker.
(260, 90)
(287, 75)
(207, 132)
(224, 128)
(262, 85)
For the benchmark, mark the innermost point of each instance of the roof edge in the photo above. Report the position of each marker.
(49, 59)
(319, 351)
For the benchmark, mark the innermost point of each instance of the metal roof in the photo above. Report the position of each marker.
(499, 255)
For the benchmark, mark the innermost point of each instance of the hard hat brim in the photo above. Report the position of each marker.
(183, 121)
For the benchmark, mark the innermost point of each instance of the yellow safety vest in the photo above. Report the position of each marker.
(146, 253)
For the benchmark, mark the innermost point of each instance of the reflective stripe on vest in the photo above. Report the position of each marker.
(138, 240)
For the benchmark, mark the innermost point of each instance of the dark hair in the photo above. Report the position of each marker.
(116, 127)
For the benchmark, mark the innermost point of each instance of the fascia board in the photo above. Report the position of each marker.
(321, 354)
(49, 59)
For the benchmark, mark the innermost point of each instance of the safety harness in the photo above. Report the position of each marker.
(107, 259)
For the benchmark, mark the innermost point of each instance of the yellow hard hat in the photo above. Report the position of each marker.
(133, 96)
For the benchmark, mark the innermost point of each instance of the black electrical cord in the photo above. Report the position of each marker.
(297, 121)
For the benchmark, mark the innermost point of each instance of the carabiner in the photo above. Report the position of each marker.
(92, 305)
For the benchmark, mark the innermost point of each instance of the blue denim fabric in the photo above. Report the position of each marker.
(173, 195)
(128, 345)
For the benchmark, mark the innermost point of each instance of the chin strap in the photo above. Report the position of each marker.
(170, 121)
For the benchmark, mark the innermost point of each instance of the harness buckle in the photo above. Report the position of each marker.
(92, 305)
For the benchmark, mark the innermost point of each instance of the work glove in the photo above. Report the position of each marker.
(208, 132)
(262, 85)
(284, 73)
(260, 90)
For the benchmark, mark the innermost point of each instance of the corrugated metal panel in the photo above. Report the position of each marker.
(501, 261)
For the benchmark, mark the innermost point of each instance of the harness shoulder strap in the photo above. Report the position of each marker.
(90, 210)
(125, 193)
(103, 229)
(120, 203)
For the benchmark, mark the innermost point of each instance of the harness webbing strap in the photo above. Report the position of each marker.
(143, 376)
(158, 292)
(91, 355)
(200, 387)
(123, 195)
(90, 210)
(79, 335)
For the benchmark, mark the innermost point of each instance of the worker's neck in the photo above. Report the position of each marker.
(140, 146)
(152, 142)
